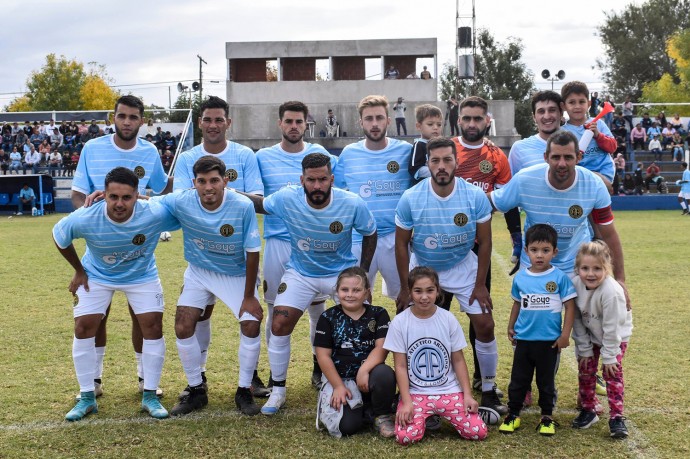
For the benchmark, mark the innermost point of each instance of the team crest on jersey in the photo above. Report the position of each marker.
(460, 219)
(139, 239)
(140, 172)
(282, 287)
(393, 167)
(227, 230)
(486, 166)
(336, 227)
(231, 174)
(575, 211)
(75, 299)
(551, 287)
(372, 326)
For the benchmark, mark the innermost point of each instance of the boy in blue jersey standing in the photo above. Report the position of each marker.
(539, 293)
(121, 235)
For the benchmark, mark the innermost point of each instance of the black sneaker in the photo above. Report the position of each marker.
(585, 419)
(433, 422)
(185, 391)
(477, 386)
(258, 387)
(245, 401)
(316, 375)
(195, 399)
(618, 428)
(490, 400)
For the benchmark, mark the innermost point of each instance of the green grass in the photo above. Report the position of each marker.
(38, 383)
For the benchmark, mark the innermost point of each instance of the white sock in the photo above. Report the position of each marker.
(315, 311)
(140, 366)
(152, 358)
(279, 356)
(683, 205)
(84, 357)
(487, 355)
(248, 355)
(100, 354)
(203, 336)
(190, 357)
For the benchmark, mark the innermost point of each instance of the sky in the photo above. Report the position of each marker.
(149, 46)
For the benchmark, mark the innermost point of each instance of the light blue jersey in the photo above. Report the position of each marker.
(279, 169)
(117, 253)
(241, 168)
(444, 228)
(321, 239)
(565, 210)
(594, 158)
(379, 177)
(541, 297)
(526, 152)
(101, 155)
(216, 240)
(685, 187)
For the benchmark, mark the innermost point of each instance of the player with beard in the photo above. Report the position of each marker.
(547, 113)
(485, 166)
(376, 168)
(100, 156)
(281, 166)
(242, 172)
(320, 220)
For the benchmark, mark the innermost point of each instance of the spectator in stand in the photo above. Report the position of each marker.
(7, 141)
(392, 73)
(654, 131)
(74, 129)
(677, 147)
(70, 141)
(109, 128)
(628, 187)
(32, 159)
(655, 147)
(619, 162)
(646, 121)
(75, 162)
(651, 175)
(159, 136)
(83, 128)
(595, 104)
(168, 142)
(44, 149)
(667, 135)
(36, 138)
(4, 161)
(93, 130)
(26, 196)
(677, 124)
(48, 128)
(20, 139)
(16, 129)
(64, 128)
(150, 128)
(638, 137)
(28, 129)
(399, 108)
(331, 124)
(628, 111)
(56, 139)
(639, 181)
(661, 119)
(621, 148)
(166, 159)
(67, 163)
(54, 161)
(618, 128)
(425, 75)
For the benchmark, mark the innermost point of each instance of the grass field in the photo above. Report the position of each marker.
(38, 385)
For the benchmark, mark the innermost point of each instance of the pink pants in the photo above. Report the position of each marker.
(448, 406)
(615, 389)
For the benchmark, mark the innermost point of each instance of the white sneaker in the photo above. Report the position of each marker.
(274, 403)
(19, 213)
(159, 391)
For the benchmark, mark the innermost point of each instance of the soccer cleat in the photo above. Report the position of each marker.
(185, 391)
(685, 211)
(617, 427)
(274, 403)
(510, 424)
(432, 422)
(194, 399)
(489, 415)
(151, 404)
(477, 386)
(528, 399)
(98, 391)
(585, 419)
(245, 401)
(490, 400)
(258, 387)
(86, 405)
(159, 391)
(19, 213)
(385, 425)
(547, 426)
(601, 386)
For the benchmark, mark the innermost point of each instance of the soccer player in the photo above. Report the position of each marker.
(445, 215)
(221, 245)
(242, 172)
(281, 166)
(684, 193)
(98, 158)
(320, 220)
(376, 168)
(547, 113)
(561, 194)
(121, 234)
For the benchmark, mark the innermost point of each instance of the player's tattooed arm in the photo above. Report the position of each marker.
(257, 200)
(368, 249)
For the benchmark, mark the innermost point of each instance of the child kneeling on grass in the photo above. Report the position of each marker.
(539, 293)
(603, 326)
(349, 348)
(432, 376)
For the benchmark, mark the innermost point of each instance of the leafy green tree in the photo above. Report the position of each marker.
(673, 88)
(635, 40)
(500, 74)
(183, 101)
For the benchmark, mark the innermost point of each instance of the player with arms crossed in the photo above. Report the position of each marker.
(121, 234)
(320, 220)
(281, 166)
(98, 158)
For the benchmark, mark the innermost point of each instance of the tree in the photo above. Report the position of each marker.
(95, 92)
(673, 88)
(20, 104)
(634, 41)
(499, 74)
(183, 101)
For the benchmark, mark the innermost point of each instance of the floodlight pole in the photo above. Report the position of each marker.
(201, 85)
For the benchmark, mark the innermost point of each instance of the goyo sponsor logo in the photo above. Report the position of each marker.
(308, 244)
(444, 240)
(380, 187)
(116, 257)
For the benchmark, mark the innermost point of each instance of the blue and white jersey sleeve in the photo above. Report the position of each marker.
(527, 152)
(594, 158)
(685, 187)
(216, 240)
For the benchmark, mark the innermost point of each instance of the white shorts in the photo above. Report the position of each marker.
(684, 195)
(143, 298)
(202, 286)
(383, 262)
(459, 280)
(297, 291)
(276, 256)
